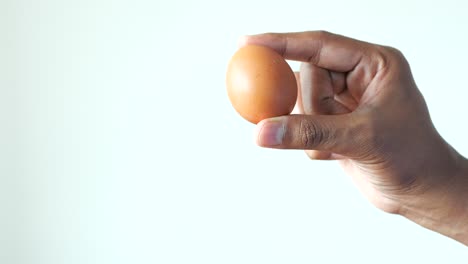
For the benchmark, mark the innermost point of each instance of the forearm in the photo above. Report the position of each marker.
(444, 210)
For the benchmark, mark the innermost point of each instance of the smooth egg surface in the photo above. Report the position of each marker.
(260, 83)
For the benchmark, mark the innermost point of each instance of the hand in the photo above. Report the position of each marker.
(358, 103)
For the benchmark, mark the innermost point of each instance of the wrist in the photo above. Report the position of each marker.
(443, 207)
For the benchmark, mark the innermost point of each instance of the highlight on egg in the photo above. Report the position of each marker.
(260, 83)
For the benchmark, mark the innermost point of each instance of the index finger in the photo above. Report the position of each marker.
(321, 48)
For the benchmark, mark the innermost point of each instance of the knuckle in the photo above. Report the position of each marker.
(310, 135)
(322, 33)
(391, 54)
(394, 52)
(319, 36)
(386, 59)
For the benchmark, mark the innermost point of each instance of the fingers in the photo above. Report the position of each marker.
(323, 155)
(318, 97)
(313, 154)
(326, 133)
(318, 93)
(338, 80)
(341, 90)
(318, 155)
(323, 49)
(324, 96)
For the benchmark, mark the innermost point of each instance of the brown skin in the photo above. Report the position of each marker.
(358, 103)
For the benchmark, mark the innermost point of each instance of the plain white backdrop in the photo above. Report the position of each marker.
(119, 145)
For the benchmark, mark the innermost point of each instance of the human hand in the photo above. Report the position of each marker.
(358, 103)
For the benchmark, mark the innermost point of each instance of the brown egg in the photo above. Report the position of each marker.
(260, 83)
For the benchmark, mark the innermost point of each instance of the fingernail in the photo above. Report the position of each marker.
(270, 133)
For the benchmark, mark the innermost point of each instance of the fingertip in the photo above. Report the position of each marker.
(269, 133)
(256, 39)
(257, 132)
(318, 155)
(242, 41)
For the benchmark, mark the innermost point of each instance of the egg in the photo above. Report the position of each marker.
(260, 83)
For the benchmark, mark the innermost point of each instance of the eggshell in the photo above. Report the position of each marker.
(260, 83)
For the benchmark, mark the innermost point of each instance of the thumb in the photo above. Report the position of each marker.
(333, 133)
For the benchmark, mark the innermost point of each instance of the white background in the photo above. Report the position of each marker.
(119, 145)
